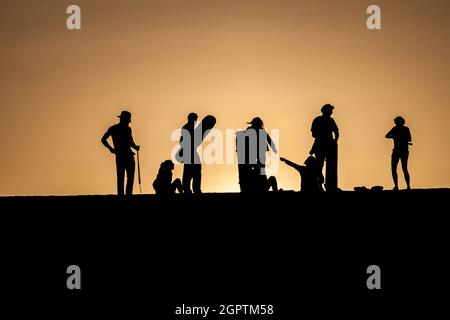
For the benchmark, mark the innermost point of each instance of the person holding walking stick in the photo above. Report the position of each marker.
(122, 139)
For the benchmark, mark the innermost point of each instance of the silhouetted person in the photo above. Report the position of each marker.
(123, 142)
(402, 139)
(192, 171)
(326, 134)
(311, 174)
(252, 145)
(163, 183)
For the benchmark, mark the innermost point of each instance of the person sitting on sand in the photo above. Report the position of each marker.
(163, 184)
(311, 174)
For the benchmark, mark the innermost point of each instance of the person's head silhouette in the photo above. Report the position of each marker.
(256, 123)
(125, 117)
(399, 121)
(167, 165)
(310, 161)
(192, 117)
(327, 110)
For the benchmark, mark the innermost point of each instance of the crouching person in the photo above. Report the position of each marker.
(163, 183)
(311, 174)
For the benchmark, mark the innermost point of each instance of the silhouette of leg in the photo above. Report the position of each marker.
(331, 169)
(243, 170)
(320, 179)
(177, 185)
(404, 159)
(130, 167)
(272, 183)
(394, 162)
(252, 179)
(320, 157)
(197, 178)
(187, 177)
(120, 169)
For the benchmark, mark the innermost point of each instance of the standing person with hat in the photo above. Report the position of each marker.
(326, 134)
(192, 171)
(122, 139)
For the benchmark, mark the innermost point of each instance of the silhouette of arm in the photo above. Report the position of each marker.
(106, 143)
(313, 128)
(335, 131)
(132, 144)
(184, 131)
(336, 134)
(291, 164)
(389, 135)
(408, 136)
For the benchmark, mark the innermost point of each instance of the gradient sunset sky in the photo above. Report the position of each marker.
(279, 59)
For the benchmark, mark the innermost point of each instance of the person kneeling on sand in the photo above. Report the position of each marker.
(311, 174)
(163, 184)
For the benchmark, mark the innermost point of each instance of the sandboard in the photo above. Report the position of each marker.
(201, 130)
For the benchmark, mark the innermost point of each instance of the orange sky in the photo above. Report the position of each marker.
(280, 60)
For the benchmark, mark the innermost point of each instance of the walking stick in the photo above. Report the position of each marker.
(139, 172)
